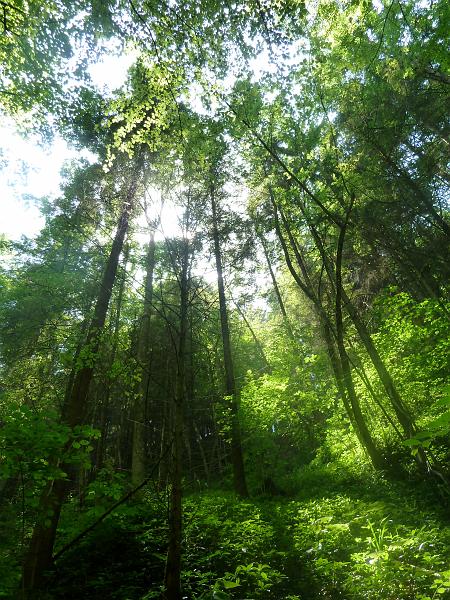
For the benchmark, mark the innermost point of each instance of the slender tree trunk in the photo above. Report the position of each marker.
(138, 461)
(405, 419)
(105, 403)
(240, 484)
(401, 411)
(198, 438)
(359, 368)
(258, 344)
(339, 361)
(39, 558)
(384, 375)
(166, 424)
(392, 393)
(369, 444)
(346, 389)
(275, 286)
(337, 372)
(172, 578)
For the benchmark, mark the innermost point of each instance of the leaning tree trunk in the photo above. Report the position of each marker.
(138, 459)
(369, 444)
(240, 484)
(39, 557)
(397, 403)
(401, 411)
(339, 360)
(275, 286)
(346, 390)
(258, 344)
(172, 577)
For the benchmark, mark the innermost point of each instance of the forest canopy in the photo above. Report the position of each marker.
(224, 358)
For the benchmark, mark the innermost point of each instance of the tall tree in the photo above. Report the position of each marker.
(172, 577)
(237, 459)
(39, 558)
(141, 405)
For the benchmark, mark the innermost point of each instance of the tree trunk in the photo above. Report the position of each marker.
(275, 286)
(339, 361)
(105, 402)
(172, 577)
(384, 375)
(369, 444)
(359, 368)
(138, 460)
(166, 424)
(240, 484)
(267, 366)
(39, 557)
(397, 403)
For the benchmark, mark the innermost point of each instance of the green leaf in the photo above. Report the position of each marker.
(228, 585)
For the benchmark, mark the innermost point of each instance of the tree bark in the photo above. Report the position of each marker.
(375, 456)
(339, 360)
(240, 484)
(39, 557)
(172, 577)
(138, 460)
(105, 402)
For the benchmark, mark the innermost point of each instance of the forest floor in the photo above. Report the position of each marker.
(336, 538)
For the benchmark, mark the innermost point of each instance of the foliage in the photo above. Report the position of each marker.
(318, 189)
(341, 537)
(370, 548)
(29, 444)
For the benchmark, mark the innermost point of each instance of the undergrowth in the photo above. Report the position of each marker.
(335, 539)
